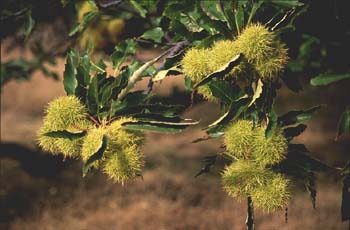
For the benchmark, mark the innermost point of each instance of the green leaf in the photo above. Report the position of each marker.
(92, 94)
(344, 123)
(271, 125)
(188, 84)
(234, 111)
(297, 116)
(66, 134)
(136, 98)
(287, 4)
(292, 132)
(225, 69)
(224, 91)
(213, 10)
(297, 154)
(96, 156)
(165, 110)
(228, 9)
(164, 73)
(156, 117)
(255, 7)
(122, 51)
(239, 17)
(87, 18)
(155, 34)
(138, 7)
(164, 127)
(70, 81)
(325, 79)
(29, 24)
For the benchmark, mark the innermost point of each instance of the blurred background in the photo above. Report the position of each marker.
(40, 191)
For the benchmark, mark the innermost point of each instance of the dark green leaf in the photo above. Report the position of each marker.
(344, 123)
(65, 134)
(155, 34)
(271, 125)
(122, 51)
(87, 18)
(298, 154)
(136, 98)
(138, 7)
(292, 132)
(224, 91)
(345, 201)
(165, 110)
(188, 84)
(297, 116)
(234, 111)
(325, 79)
(255, 7)
(239, 17)
(164, 73)
(213, 10)
(228, 9)
(29, 24)
(287, 4)
(92, 94)
(96, 156)
(69, 76)
(311, 187)
(292, 82)
(165, 127)
(222, 71)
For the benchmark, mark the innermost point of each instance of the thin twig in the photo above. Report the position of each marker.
(178, 47)
(137, 75)
(250, 214)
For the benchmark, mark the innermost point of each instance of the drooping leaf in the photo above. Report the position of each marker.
(344, 123)
(66, 134)
(257, 91)
(298, 156)
(345, 202)
(155, 34)
(96, 156)
(209, 163)
(234, 111)
(292, 82)
(292, 132)
(164, 73)
(311, 187)
(222, 71)
(297, 116)
(325, 79)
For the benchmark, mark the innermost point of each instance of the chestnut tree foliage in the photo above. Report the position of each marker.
(229, 52)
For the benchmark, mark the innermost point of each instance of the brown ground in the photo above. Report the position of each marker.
(169, 197)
